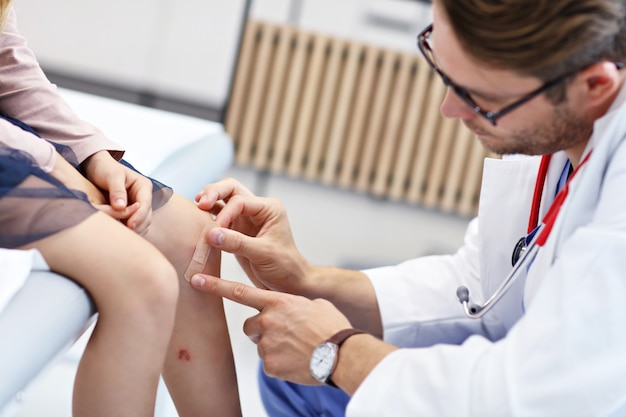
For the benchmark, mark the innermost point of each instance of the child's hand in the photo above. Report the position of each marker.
(129, 193)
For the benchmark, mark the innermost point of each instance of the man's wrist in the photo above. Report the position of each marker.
(321, 281)
(359, 356)
(325, 356)
(339, 339)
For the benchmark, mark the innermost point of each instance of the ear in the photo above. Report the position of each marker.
(599, 83)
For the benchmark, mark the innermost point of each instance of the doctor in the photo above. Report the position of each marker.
(534, 77)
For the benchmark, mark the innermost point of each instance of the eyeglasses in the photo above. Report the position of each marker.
(492, 116)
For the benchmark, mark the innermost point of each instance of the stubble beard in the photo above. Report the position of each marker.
(564, 130)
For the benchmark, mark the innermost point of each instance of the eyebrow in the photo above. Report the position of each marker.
(486, 96)
(472, 92)
(491, 97)
(480, 94)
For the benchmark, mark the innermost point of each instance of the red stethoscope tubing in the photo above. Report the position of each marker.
(553, 211)
(533, 219)
(476, 311)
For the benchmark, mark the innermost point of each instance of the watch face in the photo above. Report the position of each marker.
(323, 361)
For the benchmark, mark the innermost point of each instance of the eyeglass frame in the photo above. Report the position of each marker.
(465, 96)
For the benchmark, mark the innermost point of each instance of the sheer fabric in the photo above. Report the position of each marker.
(34, 205)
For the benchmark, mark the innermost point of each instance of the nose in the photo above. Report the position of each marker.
(453, 107)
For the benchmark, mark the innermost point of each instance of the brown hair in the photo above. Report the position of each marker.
(5, 6)
(541, 38)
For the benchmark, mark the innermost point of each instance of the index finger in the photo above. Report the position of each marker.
(222, 190)
(234, 291)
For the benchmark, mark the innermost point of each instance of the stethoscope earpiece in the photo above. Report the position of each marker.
(463, 293)
(471, 310)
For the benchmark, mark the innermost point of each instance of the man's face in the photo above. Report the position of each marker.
(536, 127)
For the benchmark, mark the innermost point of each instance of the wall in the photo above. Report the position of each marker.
(184, 50)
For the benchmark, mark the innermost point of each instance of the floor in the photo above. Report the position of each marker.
(331, 227)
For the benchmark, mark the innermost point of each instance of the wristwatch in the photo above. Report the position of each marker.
(324, 358)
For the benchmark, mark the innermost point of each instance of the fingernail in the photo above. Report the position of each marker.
(120, 202)
(202, 199)
(217, 237)
(197, 281)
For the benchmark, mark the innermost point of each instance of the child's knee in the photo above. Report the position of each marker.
(163, 284)
(153, 290)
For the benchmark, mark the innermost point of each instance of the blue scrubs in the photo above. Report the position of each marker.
(286, 399)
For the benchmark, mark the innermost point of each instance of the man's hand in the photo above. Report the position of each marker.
(287, 328)
(257, 231)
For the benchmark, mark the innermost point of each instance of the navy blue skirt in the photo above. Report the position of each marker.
(35, 205)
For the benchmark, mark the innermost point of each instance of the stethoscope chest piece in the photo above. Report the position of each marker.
(526, 247)
(518, 250)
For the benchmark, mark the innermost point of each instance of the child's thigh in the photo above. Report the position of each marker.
(108, 259)
(36, 207)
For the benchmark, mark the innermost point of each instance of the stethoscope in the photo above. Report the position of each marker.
(528, 246)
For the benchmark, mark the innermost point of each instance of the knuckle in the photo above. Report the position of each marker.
(323, 304)
(277, 205)
(234, 206)
(236, 200)
(269, 366)
(265, 321)
(237, 244)
(239, 291)
(230, 181)
(321, 301)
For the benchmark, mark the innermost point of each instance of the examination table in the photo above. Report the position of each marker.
(50, 312)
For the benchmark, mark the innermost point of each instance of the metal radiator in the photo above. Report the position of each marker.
(350, 115)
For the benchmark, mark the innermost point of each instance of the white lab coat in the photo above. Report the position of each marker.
(555, 345)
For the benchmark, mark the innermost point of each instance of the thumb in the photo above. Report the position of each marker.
(117, 192)
(227, 240)
(232, 241)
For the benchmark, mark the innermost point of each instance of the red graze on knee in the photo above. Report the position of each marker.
(184, 355)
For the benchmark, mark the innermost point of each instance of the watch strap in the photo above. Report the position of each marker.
(338, 339)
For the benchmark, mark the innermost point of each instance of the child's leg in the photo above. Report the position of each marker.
(199, 369)
(135, 291)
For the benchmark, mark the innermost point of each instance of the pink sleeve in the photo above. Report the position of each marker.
(27, 95)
